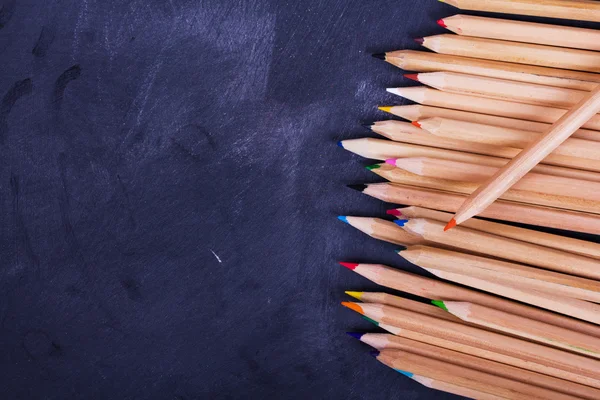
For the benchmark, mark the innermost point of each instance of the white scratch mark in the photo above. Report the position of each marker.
(83, 11)
(216, 256)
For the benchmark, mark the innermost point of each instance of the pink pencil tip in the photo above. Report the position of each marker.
(420, 40)
(416, 123)
(351, 266)
(412, 77)
(450, 225)
(391, 161)
(394, 212)
(441, 23)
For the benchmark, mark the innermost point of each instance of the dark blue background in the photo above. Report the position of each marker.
(169, 183)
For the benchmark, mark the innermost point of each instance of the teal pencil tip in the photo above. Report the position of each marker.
(372, 167)
(439, 304)
(401, 249)
(343, 219)
(409, 374)
(371, 320)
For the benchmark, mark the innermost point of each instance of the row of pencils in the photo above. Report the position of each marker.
(513, 312)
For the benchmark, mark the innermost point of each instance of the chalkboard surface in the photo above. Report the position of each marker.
(169, 186)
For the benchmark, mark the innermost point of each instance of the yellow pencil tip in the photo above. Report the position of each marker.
(356, 295)
(450, 225)
(387, 109)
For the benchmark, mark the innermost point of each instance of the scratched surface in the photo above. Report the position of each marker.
(169, 183)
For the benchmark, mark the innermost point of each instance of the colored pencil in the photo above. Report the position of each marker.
(520, 31)
(379, 149)
(519, 53)
(533, 330)
(557, 363)
(503, 272)
(531, 155)
(433, 289)
(398, 175)
(421, 61)
(541, 379)
(502, 247)
(417, 112)
(474, 173)
(465, 376)
(432, 97)
(401, 302)
(446, 387)
(382, 230)
(502, 89)
(502, 210)
(583, 10)
(574, 152)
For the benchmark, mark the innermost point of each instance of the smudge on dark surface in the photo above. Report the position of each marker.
(38, 343)
(127, 201)
(19, 89)
(132, 288)
(44, 41)
(22, 235)
(61, 84)
(7, 10)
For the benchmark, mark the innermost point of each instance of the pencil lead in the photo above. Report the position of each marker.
(371, 320)
(401, 222)
(391, 161)
(401, 249)
(343, 219)
(439, 304)
(441, 23)
(367, 125)
(372, 167)
(375, 353)
(360, 188)
(341, 144)
(380, 56)
(420, 40)
(353, 306)
(417, 124)
(351, 266)
(387, 109)
(355, 335)
(450, 225)
(412, 77)
(356, 295)
(394, 212)
(410, 375)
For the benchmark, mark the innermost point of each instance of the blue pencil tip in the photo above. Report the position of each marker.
(340, 144)
(375, 353)
(410, 375)
(401, 222)
(355, 335)
(343, 219)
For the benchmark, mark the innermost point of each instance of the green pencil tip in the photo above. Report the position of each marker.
(371, 320)
(372, 167)
(439, 304)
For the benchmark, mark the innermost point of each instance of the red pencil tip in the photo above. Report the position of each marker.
(416, 123)
(420, 40)
(412, 77)
(351, 266)
(450, 225)
(441, 23)
(394, 212)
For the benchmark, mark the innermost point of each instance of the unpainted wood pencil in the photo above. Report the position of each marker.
(382, 230)
(520, 31)
(433, 289)
(579, 10)
(533, 330)
(515, 52)
(421, 61)
(446, 387)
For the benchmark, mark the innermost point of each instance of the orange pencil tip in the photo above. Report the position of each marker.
(416, 123)
(353, 307)
(450, 225)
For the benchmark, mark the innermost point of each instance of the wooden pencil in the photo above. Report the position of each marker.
(494, 88)
(583, 10)
(541, 379)
(503, 272)
(577, 246)
(505, 248)
(412, 195)
(382, 230)
(421, 61)
(433, 289)
(520, 31)
(446, 387)
(533, 330)
(567, 203)
(418, 112)
(446, 371)
(519, 53)
(531, 155)
(379, 149)
(432, 97)
(470, 357)
(475, 173)
(573, 152)
(557, 363)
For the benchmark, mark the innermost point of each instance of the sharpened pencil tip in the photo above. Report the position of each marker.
(401, 249)
(374, 353)
(412, 77)
(371, 320)
(372, 167)
(391, 161)
(420, 40)
(441, 23)
(355, 335)
(343, 219)
(356, 295)
(351, 266)
(450, 225)
(360, 188)
(353, 306)
(367, 125)
(380, 56)
(440, 304)
(410, 375)
(416, 123)
(341, 144)
(394, 212)
(401, 222)
(387, 109)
